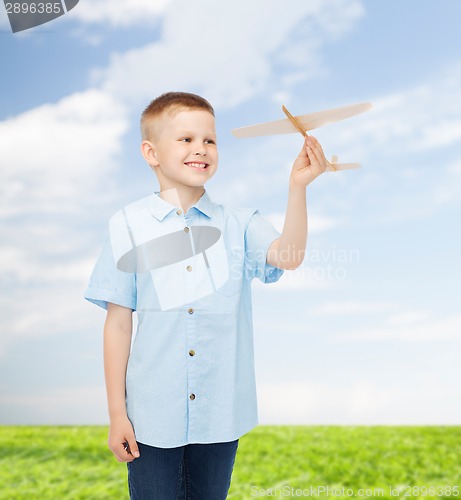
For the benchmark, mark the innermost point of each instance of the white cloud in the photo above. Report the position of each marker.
(407, 147)
(52, 155)
(410, 331)
(300, 278)
(33, 266)
(316, 223)
(351, 307)
(415, 120)
(321, 268)
(58, 406)
(362, 403)
(302, 403)
(119, 13)
(408, 317)
(230, 61)
(54, 307)
(447, 186)
(54, 160)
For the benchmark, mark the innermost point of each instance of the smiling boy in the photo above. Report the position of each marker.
(181, 399)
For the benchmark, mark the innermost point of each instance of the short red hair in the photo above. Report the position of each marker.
(170, 103)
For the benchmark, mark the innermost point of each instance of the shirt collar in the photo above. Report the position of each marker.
(160, 208)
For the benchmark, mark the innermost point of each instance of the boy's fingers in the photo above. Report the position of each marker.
(317, 150)
(317, 160)
(303, 152)
(313, 155)
(132, 447)
(119, 452)
(315, 145)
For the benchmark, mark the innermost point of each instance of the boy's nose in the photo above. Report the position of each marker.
(202, 152)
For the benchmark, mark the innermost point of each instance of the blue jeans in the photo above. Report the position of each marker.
(190, 472)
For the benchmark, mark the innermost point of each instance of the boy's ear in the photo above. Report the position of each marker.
(149, 153)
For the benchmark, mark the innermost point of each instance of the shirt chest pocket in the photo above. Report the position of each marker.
(232, 285)
(230, 288)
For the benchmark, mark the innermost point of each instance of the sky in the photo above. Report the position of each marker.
(368, 329)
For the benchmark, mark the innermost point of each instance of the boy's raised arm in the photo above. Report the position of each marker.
(117, 341)
(287, 252)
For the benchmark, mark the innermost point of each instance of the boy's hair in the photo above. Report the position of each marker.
(170, 103)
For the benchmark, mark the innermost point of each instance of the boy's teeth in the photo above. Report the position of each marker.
(197, 165)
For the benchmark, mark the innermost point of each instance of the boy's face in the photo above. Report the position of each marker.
(183, 151)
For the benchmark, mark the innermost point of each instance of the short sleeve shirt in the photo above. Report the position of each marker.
(190, 375)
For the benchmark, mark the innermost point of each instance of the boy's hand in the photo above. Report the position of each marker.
(309, 164)
(122, 441)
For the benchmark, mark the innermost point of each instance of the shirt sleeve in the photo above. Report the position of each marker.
(259, 235)
(109, 284)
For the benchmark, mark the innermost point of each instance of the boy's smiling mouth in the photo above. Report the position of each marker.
(197, 165)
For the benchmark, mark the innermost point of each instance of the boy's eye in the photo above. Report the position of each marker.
(209, 141)
(185, 139)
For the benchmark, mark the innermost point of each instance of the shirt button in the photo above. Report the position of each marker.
(192, 397)
(190, 310)
(189, 268)
(191, 352)
(186, 229)
(179, 212)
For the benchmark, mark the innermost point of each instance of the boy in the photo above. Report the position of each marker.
(179, 402)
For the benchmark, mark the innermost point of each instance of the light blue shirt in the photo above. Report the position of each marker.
(190, 375)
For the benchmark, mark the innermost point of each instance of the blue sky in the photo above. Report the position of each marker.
(368, 331)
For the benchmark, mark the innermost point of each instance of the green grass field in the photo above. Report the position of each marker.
(272, 462)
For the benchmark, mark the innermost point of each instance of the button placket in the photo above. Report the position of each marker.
(191, 341)
(191, 330)
(188, 267)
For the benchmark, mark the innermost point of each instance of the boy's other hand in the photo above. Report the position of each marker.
(309, 164)
(122, 441)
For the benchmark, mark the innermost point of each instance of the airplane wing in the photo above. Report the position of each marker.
(333, 167)
(308, 122)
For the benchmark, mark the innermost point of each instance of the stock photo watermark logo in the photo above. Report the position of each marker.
(29, 14)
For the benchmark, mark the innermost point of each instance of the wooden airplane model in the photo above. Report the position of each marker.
(303, 123)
